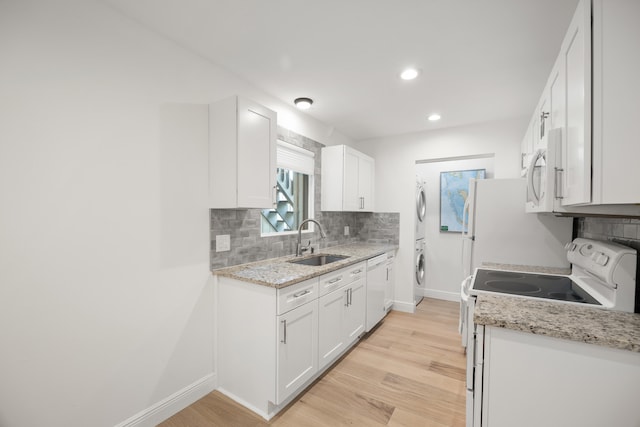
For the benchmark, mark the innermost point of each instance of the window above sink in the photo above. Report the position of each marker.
(294, 188)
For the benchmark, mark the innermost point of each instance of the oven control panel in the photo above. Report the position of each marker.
(602, 259)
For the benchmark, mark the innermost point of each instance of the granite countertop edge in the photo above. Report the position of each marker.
(280, 273)
(609, 328)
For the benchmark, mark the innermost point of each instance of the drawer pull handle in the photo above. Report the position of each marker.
(301, 294)
(337, 279)
(356, 271)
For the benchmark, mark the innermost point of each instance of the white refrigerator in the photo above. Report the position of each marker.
(499, 230)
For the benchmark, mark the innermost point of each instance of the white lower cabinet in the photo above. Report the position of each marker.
(272, 343)
(331, 334)
(354, 318)
(532, 380)
(297, 349)
(341, 314)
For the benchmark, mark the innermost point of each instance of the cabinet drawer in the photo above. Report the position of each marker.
(295, 295)
(332, 281)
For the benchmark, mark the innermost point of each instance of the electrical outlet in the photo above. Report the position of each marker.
(223, 243)
(346, 230)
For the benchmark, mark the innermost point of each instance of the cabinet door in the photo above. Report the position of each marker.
(331, 337)
(365, 183)
(557, 104)
(573, 374)
(350, 192)
(256, 155)
(355, 310)
(297, 349)
(576, 144)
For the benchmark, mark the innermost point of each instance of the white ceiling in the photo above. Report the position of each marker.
(481, 60)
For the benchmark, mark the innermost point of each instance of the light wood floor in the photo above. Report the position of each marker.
(409, 371)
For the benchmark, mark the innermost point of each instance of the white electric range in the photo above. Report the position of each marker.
(603, 275)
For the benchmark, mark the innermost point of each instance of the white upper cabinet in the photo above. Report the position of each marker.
(616, 101)
(242, 154)
(592, 97)
(347, 179)
(576, 143)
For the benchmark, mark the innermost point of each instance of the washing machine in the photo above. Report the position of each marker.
(419, 272)
(421, 209)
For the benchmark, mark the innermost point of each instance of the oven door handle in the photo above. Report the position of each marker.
(465, 288)
(464, 300)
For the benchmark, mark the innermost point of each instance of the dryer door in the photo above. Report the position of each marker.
(420, 263)
(421, 203)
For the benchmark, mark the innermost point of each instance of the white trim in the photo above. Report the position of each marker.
(292, 147)
(405, 307)
(173, 404)
(443, 295)
(294, 158)
(246, 404)
(450, 159)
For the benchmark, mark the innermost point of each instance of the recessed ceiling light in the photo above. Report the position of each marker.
(434, 117)
(303, 103)
(409, 74)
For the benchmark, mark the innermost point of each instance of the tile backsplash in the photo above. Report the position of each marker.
(243, 225)
(625, 231)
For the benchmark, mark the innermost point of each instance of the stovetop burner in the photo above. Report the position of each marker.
(532, 285)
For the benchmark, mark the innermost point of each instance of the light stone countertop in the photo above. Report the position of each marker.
(558, 319)
(279, 273)
(527, 268)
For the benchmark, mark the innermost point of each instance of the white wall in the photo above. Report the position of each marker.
(395, 176)
(106, 309)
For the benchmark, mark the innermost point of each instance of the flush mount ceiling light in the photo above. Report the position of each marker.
(303, 103)
(409, 74)
(434, 117)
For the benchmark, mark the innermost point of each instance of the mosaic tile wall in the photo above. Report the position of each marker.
(243, 225)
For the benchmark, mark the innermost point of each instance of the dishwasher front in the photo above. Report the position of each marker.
(376, 281)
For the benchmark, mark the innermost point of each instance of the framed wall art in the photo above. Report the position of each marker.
(454, 189)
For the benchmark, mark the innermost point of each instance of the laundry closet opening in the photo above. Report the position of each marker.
(442, 249)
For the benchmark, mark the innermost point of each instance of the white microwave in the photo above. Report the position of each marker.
(545, 184)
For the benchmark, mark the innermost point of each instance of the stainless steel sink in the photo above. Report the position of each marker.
(319, 259)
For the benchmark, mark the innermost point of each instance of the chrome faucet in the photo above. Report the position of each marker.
(299, 248)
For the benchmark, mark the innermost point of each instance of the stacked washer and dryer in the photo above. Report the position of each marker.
(419, 258)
